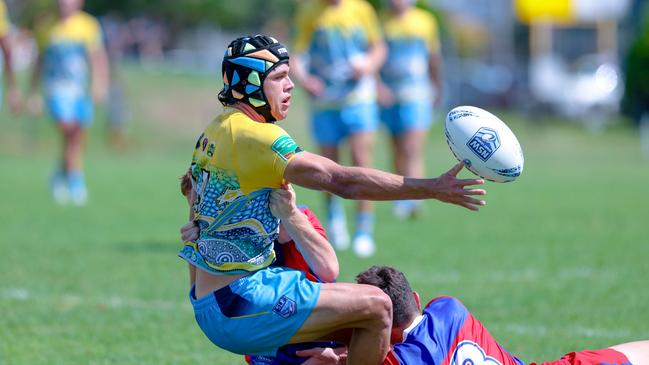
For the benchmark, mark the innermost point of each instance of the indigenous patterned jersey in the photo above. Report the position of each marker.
(447, 334)
(334, 37)
(66, 45)
(411, 38)
(236, 163)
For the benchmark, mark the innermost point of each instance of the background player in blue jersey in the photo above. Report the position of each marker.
(339, 50)
(446, 333)
(72, 67)
(410, 87)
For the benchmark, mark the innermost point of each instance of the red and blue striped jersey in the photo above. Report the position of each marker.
(448, 334)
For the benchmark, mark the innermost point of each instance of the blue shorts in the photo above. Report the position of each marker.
(409, 116)
(331, 126)
(258, 313)
(77, 110)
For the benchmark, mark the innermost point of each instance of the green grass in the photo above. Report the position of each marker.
(557, 261)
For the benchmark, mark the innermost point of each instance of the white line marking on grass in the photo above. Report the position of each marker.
(527, 275)
(69, 300)
(542, 330)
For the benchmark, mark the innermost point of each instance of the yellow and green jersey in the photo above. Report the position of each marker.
(236, 164)
(411, 39)
(332, 38)
(65, 46)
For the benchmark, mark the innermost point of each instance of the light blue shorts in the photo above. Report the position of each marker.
(257, 313)
(331, 126)
(77, 110)
(404, 117)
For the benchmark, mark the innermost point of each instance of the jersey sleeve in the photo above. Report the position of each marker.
(92, 32)
(262, 156)
(432, 34)
(4, 20)
(370, 22)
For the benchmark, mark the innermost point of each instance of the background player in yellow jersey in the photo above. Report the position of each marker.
(411, 85)
(73, 69)
(240, 303)
(339, 50)
(13, 95)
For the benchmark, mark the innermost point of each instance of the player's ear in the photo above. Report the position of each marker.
(417, 300)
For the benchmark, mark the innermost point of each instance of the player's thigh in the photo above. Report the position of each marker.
(345, 305)
(410, 142)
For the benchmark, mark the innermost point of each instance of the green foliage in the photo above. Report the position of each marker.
(636, 93)
(228, 14)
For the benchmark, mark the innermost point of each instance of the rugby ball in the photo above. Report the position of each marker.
(487, 146)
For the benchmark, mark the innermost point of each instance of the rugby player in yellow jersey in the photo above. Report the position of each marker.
(13, 95)
(241, 304)
(410, 87)
(73, 68)
(339, 49)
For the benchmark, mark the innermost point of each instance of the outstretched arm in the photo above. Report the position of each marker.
(319, 173)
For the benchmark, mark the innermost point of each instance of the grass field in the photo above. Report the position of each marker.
(556, 261)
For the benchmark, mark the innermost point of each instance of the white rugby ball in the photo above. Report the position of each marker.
(487, 146)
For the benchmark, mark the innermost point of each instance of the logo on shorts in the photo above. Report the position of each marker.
(484, 143)
(285, 307)
(285, 147)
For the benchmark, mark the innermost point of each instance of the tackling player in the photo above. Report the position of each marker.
(339, 50)
(238, 160)
(73, 68)
(409, 88)
(447, 333)
(313, 256)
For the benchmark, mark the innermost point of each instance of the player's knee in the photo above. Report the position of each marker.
(379, 306)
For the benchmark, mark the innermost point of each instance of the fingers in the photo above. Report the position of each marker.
(310, 352)
(467, 182)
(456, 169)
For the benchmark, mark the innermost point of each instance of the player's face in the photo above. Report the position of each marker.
(69, 7)
(277, 88)
(400, 5)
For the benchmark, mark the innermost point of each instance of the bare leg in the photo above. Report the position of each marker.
(363, 308)
(637, 352)
(361, 145)
(408, 158)
(408, 161)
(336, 220)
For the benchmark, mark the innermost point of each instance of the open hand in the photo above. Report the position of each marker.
(324, 356)
(452, 190)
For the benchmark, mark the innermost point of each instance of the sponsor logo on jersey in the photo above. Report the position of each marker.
(285, 307)
(470, 353)
(285, 147)
(484, 143)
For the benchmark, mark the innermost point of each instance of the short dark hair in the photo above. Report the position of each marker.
(393, 283)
